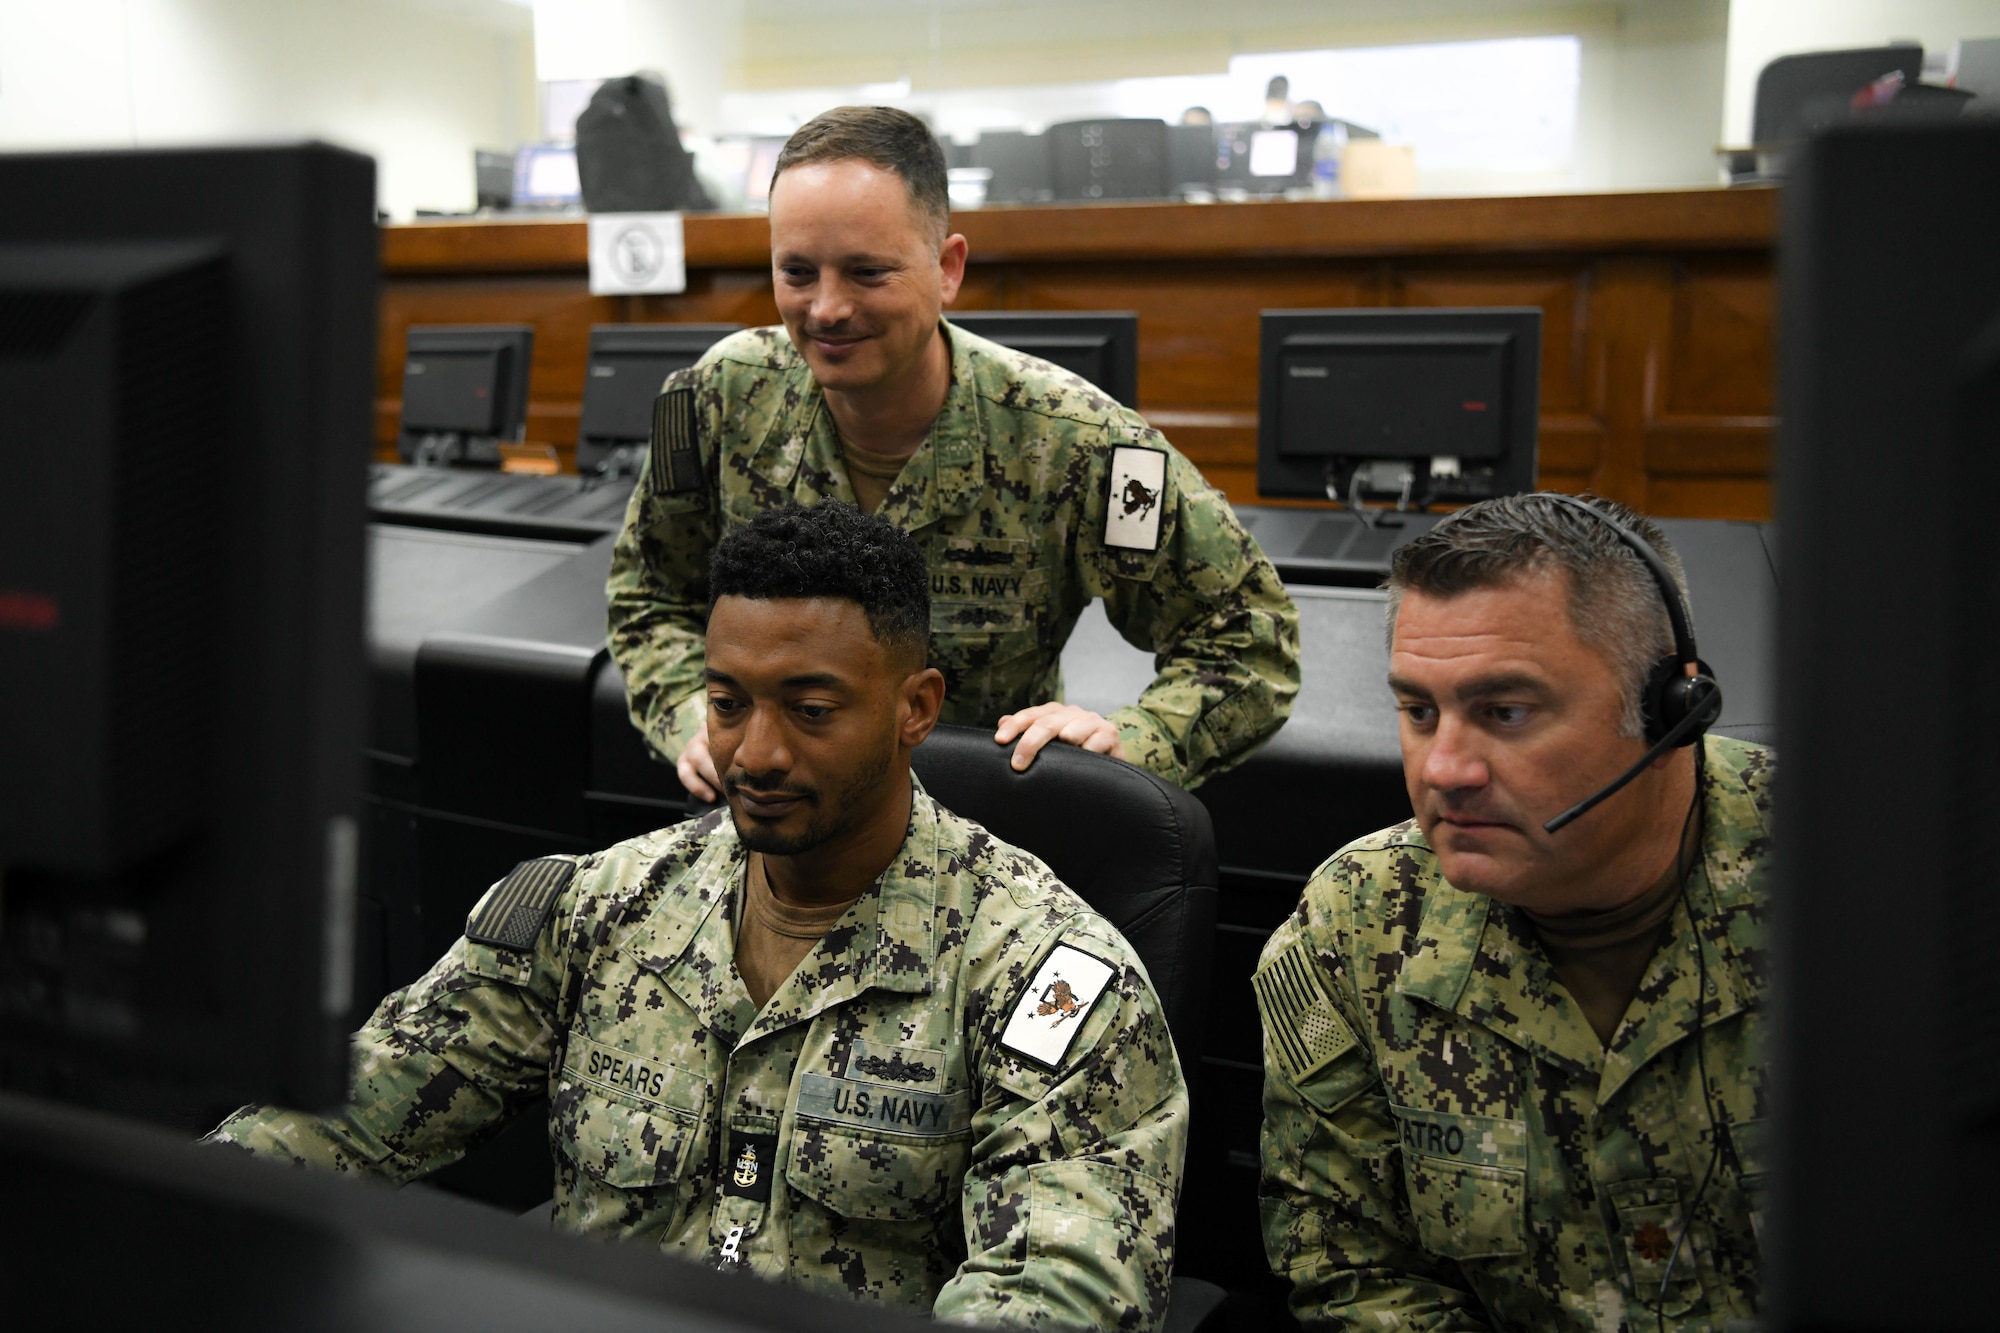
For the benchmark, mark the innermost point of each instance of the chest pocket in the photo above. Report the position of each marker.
(840, 1157)
(1466, 1178)
(989, 600)
(1649, 1223)
(624, 1120)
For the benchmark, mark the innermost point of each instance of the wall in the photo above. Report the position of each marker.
(1762, 29)
(416, 83)
(1649, 100)
(693, 43)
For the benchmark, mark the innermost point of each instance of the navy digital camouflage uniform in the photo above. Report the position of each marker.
(1009, 497)
(1447, 1144)
(904, 1155)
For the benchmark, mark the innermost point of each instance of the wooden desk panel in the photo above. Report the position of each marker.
(1659, 313)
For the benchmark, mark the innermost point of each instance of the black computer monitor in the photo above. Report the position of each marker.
(465, 392)
(1100, 345)
(1019, 161)
(1420, 406)
(1882, 1146)
(1191, 158)
(1264, 160)
(628, 362)
(493, 179)
(187, 364)
(546, 178)
(1109, 159)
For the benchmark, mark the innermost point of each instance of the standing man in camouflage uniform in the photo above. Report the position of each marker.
(1031, 492)
(1512, 1078)
(839, 1037)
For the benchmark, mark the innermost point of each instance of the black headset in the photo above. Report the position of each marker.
(1675, 707)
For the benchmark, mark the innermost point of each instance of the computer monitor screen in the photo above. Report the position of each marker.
(1273, 153)
(1109, 159)
(1102, 346)
(1022, 173)
(628, 363)
(545, 176)
(493, 178)
(1191, 163)
(465, 387)
(188, 363)
(1425, 405)
(1886, 919)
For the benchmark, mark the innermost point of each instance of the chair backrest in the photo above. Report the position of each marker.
(1798, 94)
(1139, 850)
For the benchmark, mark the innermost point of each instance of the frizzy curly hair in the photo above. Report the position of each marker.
(830, 549)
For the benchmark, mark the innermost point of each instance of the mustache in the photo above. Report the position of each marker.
(1470, 807)
(736, 780)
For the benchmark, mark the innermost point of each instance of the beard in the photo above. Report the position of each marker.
(825, 821)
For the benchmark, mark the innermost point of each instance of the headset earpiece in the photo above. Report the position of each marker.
(1670, 695)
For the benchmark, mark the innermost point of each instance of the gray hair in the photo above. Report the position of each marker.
(1614, 602)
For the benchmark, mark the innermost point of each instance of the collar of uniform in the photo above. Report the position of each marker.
(947, 474)
(1725, 898)
(687, 941)
(800, 454)
(773, 463)
(883, 942)
(1479, 960)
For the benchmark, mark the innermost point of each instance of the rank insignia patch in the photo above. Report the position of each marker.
(750, 1162)
(1052, 1009)
(1306, 1032)
(511, 914)
(1138, 490)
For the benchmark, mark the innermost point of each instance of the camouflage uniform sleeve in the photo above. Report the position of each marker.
(1069, 1199)
(1336, 1224)
(658, 589)
(1223, 632)
(441, 1065)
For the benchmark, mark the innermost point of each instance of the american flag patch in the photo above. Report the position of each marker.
(511, 914)
(1304, 1031)
(675, 457)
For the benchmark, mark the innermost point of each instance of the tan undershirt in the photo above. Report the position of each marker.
(871, 474)
(1600, 957)
(775, 935)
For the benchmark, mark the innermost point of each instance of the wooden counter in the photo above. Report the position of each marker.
(1658, 341)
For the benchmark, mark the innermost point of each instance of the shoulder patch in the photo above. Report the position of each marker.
(676, 456)
(1306, 1032)
(1137, 490)
(511, 914)
(1052, 1010)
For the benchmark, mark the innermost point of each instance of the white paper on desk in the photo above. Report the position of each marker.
(637, 253)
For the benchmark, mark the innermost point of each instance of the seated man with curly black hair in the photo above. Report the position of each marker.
(842, 1037)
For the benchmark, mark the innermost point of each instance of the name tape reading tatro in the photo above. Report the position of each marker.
(1484, 1140)
(851, 1102)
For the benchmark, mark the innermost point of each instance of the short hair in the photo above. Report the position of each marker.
(882, 137)
(831, 549)
(1279, 86)
(1614, 601)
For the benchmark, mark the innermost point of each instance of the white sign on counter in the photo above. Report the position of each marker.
(634, 254)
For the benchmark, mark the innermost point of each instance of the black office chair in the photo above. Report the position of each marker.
(1139, 850)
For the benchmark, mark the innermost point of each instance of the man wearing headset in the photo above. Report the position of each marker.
(1512, 1075)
